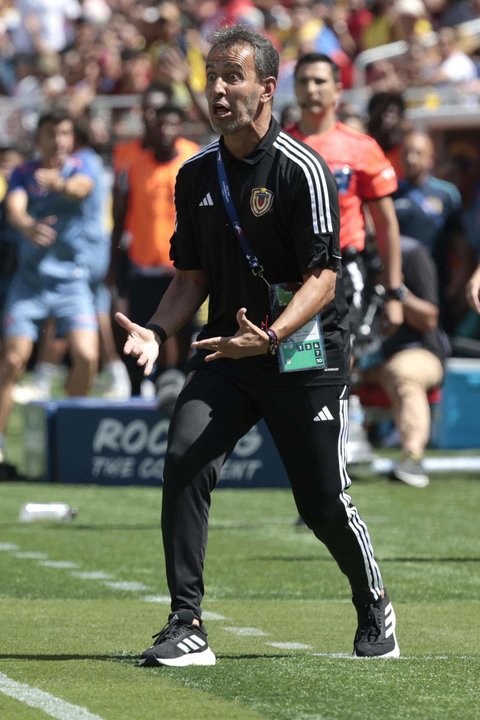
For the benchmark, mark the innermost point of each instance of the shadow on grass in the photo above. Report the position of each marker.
(72, 526)
(64, 657)
(127, 658)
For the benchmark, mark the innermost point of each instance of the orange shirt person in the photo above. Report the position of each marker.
(151, 191)
(146, 200)
(364, 176)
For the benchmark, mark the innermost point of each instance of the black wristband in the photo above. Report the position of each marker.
(158, 330)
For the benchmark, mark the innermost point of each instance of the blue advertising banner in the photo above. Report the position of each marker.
(89, 440)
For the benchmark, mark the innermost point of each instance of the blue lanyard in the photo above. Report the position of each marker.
(255, 266)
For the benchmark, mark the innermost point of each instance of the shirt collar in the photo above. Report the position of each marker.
(263, 147)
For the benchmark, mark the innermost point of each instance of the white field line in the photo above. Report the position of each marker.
(91, 575)
(53, 706)
(290, 645)
(59, 564)
(248, 631)
(161, 599)
(125, 585)
(8, 547)
(348, 656)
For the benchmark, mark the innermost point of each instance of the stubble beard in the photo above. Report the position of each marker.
(242, 120)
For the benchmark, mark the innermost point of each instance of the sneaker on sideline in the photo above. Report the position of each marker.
(117, 385)
(24, 393)
(9, 472)
(179, 643)
(375, 636)
(411, 472)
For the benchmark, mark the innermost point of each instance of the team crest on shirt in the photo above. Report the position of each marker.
(261, 200)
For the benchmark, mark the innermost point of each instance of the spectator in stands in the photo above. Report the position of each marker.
(176, 51)
(386, 123)
(455, 66)
(410, 20)
(146, 194)
(411, 361)
(430, 210)
(44, 25)
(45, 202)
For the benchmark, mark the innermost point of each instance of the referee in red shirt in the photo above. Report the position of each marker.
(364, 177)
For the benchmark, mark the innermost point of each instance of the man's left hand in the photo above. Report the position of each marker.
(249, 340)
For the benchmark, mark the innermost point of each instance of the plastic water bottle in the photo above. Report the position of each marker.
(57, 511)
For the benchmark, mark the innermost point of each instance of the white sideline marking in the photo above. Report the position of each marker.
(60, 564)
(342, 656)
(91, 575)
(49, 704)
(254, 632)
(30, 555)
(290, 645)
(126, 585)
(163, 599)
(7, 547)
(348, 656)
(206, 615)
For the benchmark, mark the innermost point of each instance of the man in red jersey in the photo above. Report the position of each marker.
(364, 177)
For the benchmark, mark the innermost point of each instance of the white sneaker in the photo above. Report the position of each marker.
(117, 385)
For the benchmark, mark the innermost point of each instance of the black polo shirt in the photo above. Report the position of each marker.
(287, 205)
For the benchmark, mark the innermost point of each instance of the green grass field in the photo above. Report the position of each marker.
(80, 600)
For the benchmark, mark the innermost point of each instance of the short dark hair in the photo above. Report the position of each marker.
(380, 101)
(53, 117)
(314, 57)
(265, 56)
(170, 107)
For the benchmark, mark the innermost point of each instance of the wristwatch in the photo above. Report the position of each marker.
(397, 293)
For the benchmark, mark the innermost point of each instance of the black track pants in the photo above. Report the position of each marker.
(309, 427)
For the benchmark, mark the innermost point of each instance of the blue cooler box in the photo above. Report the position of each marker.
(457, 421)
(91, 440)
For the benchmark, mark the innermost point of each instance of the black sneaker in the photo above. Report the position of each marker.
(375, 636)
(9, 473)
(179, 644)
(411, 472)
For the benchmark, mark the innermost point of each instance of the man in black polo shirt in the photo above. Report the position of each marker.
(257, 209)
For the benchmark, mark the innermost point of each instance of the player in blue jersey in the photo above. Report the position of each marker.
(96, 258)
(46, 204)
(98, 251)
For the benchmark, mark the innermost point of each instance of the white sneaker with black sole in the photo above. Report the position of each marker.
(179, 643)
(375, 636)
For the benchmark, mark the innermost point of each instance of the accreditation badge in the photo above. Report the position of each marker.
(305, 349)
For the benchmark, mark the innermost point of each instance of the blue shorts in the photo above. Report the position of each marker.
(70, 303)
(102, 299)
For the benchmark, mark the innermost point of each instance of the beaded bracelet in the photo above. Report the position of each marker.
(273, 341)
(158, 330)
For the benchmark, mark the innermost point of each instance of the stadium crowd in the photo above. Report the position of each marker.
(99, 59)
